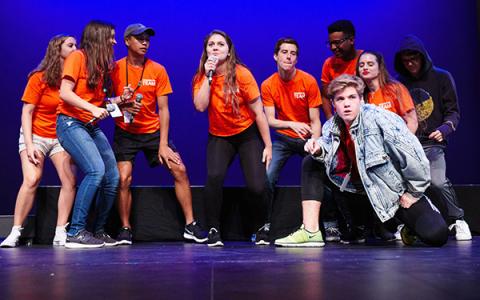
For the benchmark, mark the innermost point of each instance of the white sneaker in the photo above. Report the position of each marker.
(398, 236)
(60, 235)
(12, 239)
(462, 231)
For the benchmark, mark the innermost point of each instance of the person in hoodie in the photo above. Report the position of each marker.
(433, 91)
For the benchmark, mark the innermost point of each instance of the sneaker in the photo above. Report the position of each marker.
(408, 237)
(332, 234)
(462, 231)
(194, 232)
(103, 236)
(302, 238)
(83, 240)
(124, 236)
(382, 233)
(60, 235)
(357, 235)
(12, 239)
(262, 235)
(214, 238)
(398, 236)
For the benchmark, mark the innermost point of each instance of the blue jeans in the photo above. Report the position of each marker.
(283, 147)
(441, 185)
(92, 153)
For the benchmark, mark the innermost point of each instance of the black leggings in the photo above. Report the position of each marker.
(316, 186)
(421, 218)
(356, 210)
(220, 154)
(426, 223)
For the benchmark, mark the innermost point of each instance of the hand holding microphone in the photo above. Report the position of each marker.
(210, 66)
(137, 105)
(100, 113)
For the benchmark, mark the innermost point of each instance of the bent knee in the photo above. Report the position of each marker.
(125, 180)
(432, 230)
(178, 171)
(256, 189)
(32, 180)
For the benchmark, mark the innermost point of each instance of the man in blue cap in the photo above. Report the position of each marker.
(141, 128)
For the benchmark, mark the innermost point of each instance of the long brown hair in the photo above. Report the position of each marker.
(98, 49)
(52, 62)
(386, 83)
(230, 87)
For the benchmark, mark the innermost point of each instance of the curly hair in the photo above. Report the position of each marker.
(230, 87)
(51, 63)
(98, 49)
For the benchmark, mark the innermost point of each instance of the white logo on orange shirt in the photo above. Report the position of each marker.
(385, 105)
(299, 95)
(149, 82)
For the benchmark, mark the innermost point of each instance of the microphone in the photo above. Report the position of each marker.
(109, 109)
(138, 99)
(213, 59)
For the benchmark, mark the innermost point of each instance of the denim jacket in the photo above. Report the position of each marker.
(390, 159)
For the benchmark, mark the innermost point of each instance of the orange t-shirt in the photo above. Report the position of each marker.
(154, 83)
(75, 69)
(393, 97)
(334, 67)
(45, 99)
(293, 99)
(223, 121)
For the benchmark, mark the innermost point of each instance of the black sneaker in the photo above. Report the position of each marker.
(381, 232)
(357, 235)
(103, 236)
(332, 234)
(83, 240)
(124, 236)
(214, 238)
(194, 232)
(262, 235)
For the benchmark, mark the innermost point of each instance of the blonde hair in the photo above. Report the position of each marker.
(342, 82)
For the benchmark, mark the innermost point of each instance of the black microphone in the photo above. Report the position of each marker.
(138, 99)
(109, 109)
(214, 59)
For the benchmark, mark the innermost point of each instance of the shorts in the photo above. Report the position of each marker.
(126, 145)
(47, 146)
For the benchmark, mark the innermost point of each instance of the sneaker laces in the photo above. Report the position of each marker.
(460, 228)
(332, 231)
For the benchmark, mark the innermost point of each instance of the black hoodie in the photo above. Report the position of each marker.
(433, 92)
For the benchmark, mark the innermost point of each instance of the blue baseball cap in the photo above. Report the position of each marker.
(136, 29)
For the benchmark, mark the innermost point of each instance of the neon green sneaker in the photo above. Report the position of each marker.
(302, 238)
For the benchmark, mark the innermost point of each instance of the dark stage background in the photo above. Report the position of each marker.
(448, 28)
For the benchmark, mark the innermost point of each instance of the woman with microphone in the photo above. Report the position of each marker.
(85, 84)
(38, 139)
(237, 125)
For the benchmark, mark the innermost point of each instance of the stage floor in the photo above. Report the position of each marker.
(241, 270)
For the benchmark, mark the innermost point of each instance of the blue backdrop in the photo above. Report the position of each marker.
(448, 28)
